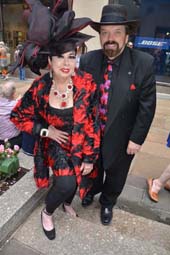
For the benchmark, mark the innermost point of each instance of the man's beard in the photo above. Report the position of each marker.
(111, 53)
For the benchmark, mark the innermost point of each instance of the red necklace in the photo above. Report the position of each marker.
(63, 97)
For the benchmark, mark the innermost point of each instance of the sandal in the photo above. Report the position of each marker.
(152, 195)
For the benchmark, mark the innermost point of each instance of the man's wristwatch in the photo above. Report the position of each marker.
(44, 132)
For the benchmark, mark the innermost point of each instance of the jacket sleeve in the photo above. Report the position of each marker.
(92, 129)
(26, 117)
(86, 133)
(25, 114)
(147, 105)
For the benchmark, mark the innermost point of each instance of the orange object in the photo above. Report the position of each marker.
(152, 195)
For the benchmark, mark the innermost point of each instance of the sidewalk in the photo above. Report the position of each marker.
(125, 234)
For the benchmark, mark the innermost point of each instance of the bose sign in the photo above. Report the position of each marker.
(150, 42)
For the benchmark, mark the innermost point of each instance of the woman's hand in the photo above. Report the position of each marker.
(86, 168)
(57, 135)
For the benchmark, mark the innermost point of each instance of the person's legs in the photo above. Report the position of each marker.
(113, 185)
(17, 140)
(28, 143)
(22, 73)
(115, 180)
(70, 198)
(98, 181)
(160, 182)
(2, 142)
(67, 204)
(97, 184)
(62, 189)
(165, 176)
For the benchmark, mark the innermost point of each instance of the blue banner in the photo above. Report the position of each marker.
(150, 42)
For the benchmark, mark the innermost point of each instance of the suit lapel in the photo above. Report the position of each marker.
(121, 87)
(95, 67)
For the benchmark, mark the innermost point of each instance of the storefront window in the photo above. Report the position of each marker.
(154, 35)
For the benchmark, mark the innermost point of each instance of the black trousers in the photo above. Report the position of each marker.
(62, 191)
(110, 182)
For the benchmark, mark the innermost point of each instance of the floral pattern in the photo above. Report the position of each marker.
(104, 93)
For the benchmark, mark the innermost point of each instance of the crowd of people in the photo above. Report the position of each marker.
(5, 61)
(89, 118)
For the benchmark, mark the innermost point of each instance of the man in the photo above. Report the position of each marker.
(127, 100)
(16, 57)
(7, 101)
(130, 44)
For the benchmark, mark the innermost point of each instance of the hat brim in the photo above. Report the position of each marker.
(132, 23)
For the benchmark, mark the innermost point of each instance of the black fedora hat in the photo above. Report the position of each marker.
(115, 14)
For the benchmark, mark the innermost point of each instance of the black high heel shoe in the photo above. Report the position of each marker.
(64, 210)
(50, 234)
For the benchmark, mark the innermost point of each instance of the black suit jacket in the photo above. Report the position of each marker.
(132, 103)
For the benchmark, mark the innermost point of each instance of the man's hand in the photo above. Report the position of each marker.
(133, 148)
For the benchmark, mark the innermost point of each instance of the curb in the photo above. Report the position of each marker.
(17, 203)
(163, 96)
(134, 199)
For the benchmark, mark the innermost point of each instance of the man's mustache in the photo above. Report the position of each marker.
(110, 42)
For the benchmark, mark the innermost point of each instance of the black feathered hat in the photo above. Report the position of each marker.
(47, 28)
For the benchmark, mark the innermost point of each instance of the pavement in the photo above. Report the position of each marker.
(139, 226)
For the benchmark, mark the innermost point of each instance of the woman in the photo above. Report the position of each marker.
(59, 109)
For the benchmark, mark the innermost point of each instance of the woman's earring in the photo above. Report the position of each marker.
(50, 70)
(74, 73)
(51, 74)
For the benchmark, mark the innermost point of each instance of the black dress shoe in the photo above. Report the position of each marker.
(106, 215)
(50, 234)
(87, 200)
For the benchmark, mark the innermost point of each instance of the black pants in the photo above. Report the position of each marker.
(62, 190)
(112, 184)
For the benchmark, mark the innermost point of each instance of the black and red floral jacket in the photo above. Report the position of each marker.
(30, 115)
